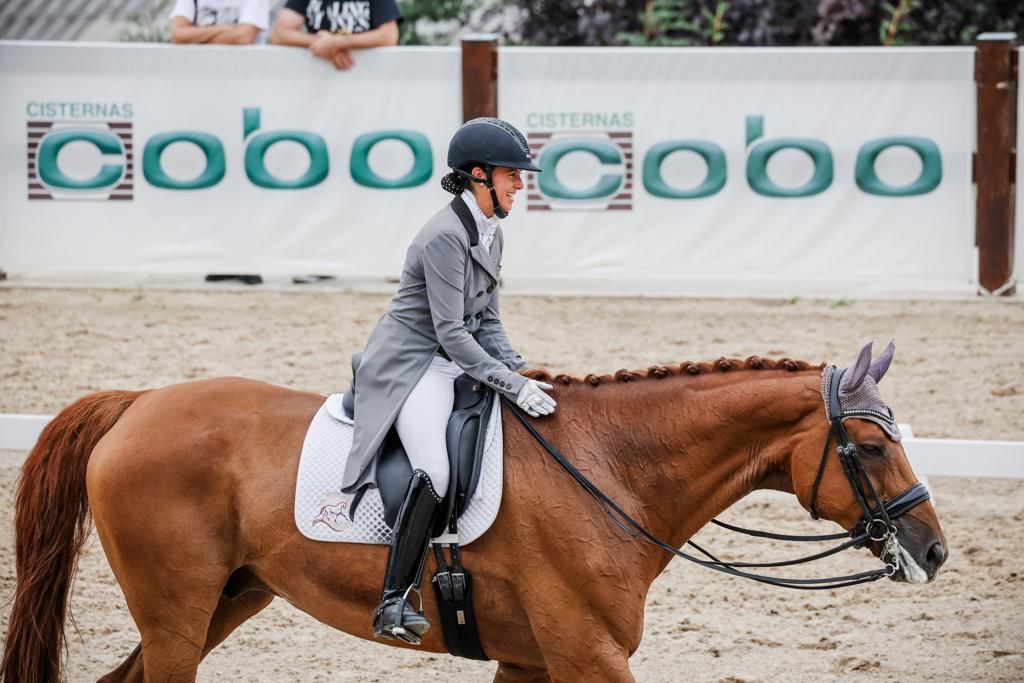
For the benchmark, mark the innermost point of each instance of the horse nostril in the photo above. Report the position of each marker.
(937, 554)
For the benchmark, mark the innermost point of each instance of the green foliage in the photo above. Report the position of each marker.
(411, 31)
(766, 22)
(151, 26)
(894, 31)
(959, 22)
(578, 22)
(717, 22)
(672, 23)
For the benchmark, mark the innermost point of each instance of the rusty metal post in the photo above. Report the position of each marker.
(479, 76)
(995, 162)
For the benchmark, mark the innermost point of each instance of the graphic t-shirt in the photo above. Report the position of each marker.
(221, 12)
(345, 16)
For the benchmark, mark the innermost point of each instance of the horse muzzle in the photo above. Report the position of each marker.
(916, 551)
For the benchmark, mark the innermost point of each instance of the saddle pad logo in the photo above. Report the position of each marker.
(582, 171)
(80, 160)
(334, 511)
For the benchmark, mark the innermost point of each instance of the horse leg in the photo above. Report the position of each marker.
(172, 574)
(511, 673)
(130, 670)
(230, 614)
(173, 631)
(169, 651)
(581, 638)
(568, 657)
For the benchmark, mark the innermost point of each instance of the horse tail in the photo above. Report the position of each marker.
(51, 523)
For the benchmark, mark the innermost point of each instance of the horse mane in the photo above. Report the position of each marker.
(689, 368)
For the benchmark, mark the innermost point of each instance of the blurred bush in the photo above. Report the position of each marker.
(763, 22)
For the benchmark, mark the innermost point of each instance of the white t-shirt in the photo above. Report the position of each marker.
(219, 12)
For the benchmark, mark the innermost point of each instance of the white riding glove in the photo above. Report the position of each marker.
(533, 400)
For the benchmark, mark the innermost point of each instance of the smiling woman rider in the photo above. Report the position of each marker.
(443, 321)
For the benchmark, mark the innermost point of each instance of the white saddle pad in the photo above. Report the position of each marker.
(321, 510)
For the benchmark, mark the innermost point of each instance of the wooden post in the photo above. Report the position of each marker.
(995, 162)
(479, 76)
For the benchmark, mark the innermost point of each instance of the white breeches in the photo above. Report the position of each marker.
(423, 421)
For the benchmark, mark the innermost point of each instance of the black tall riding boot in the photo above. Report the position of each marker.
(395, 618)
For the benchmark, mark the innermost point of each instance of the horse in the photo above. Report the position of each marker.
(191, 489)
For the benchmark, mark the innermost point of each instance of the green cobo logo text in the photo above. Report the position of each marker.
(614, 174)
(611, 151)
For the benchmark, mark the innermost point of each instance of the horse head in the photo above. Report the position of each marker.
(870, 487)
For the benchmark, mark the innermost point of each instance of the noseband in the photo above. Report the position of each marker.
(875, 525)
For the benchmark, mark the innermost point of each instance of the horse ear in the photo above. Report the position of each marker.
(878, 368)
(856, 373)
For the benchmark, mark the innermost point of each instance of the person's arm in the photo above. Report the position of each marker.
(385, 35)
(288, 30)
(185, 32)
(335, 46)
(238, 34)
(253, 17)
(444, 269)
(325, 46)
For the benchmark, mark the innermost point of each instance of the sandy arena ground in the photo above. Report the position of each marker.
(959, 372)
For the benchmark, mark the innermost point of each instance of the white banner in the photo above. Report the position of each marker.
(724, 172)
(750, 171)
(182, 160)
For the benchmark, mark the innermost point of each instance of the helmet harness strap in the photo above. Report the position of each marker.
(489, 182)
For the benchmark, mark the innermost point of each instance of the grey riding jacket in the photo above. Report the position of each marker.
(447, 303)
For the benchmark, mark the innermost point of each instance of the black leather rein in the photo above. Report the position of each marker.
(876, 524)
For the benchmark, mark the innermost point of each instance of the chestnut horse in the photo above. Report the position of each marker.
(191, 489)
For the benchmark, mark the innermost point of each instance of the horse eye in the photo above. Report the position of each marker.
(869, 449)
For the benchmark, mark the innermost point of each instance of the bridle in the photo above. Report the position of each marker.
(876, 521)
(875, 525)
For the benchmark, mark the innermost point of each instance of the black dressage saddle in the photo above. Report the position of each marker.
(466, 435)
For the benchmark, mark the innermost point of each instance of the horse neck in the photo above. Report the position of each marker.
(680, 450)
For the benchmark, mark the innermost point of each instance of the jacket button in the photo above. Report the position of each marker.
(490, 379)
(480, 293)
(490, 288)
(466, 318)
(479, 315)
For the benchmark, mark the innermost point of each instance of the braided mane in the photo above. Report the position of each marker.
(721, 365)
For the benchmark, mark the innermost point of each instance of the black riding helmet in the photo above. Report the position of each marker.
(488, 143)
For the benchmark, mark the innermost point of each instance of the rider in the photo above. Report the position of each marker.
(443, 321)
